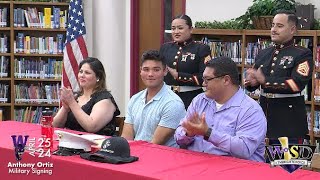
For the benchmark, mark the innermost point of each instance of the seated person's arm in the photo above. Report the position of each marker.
(162, 135)
(128, 131)
(171, 116)
(180, 134)
(101, 114)
(60, 118)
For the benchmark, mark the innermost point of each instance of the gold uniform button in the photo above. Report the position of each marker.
(267, 83)
(190, 78)
(284, 67)
(274, 58)
(273, 64)
(283, 84)
(185, 78)
(271, 71)
(180, 48)
(275, 84)
(174, 63)
(179, 77)
(261, 65)
(178, 52)
(176, 57)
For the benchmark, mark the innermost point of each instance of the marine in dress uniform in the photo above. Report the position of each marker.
(189, 59)
(287, 68)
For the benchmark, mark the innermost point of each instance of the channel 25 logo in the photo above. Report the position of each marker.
(290, 156)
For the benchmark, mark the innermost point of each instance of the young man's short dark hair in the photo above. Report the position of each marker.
(152, 55)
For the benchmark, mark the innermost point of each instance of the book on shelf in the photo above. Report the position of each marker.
(4, 93)
(3, 43)
(4, 66)
(47, 17)
(3, 17)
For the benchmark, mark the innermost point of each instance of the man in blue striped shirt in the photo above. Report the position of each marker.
(223, 120)
(154, 113)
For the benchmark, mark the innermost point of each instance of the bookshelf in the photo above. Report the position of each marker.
(308, 38)
(33, 33)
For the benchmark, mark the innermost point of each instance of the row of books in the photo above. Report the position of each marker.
(233, 49)
(39, 45)
(304, 42)
(53, 18)
(30, 114)
(253, 49)
(228, 49)
(4, 66)
(38, 69)
(37, 93)
(316, 122)
(3, 43)
(3, 17)
(4, 93)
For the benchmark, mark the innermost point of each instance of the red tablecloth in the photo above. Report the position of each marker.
(155, 162)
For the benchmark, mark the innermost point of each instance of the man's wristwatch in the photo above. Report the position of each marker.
(207, 134)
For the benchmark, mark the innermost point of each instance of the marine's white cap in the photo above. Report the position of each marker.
(74, 141)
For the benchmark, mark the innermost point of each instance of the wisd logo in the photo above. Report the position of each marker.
(19, 144)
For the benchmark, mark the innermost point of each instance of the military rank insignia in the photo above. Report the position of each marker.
(303, 68)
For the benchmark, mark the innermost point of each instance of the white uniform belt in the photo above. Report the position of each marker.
(273, 95)
(184, 88)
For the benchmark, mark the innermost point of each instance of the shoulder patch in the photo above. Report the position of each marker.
(303, 68)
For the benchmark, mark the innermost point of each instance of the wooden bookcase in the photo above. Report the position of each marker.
(8, 108)
(245, 36)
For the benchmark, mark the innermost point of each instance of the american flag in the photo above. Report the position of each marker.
(75, 49)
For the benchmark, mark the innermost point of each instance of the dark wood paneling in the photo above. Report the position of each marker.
(150, 27)
(151, 19)
(178, 7)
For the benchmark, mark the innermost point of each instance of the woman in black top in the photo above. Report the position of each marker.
(93, 109)
(185, 60)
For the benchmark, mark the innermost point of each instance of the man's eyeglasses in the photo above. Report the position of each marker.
(206, 80)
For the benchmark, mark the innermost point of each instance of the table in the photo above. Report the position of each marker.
(155, 162)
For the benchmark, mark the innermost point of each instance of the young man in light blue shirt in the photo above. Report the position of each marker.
(154, 113)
